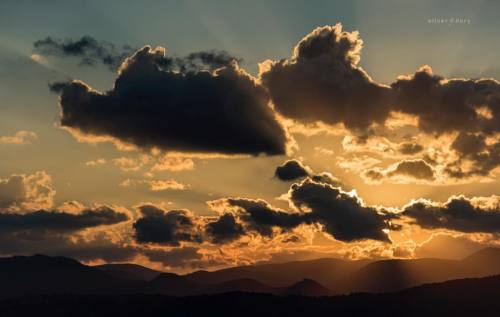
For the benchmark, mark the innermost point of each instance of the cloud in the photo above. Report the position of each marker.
(166, 184)
(130, 164)
(155, 106)
(326, 178)
(58, 86)
(19, 138)
(173, 164)
(322, 81)
(96, 162)
(155, 185)
(402, 172)
(409, 148)
(340, 214)
(225, 229)
(87, 49)
(343, 214)
(27, 192)
(446, 105)
(98, 248)
(59, 221)
(324, 74)
(291, 170)
(165, 227)
(261, 217)
(458, 213)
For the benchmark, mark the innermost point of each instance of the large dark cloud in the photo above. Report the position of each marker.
(459, 213)
(341, 214)
(154, 105)
(59, 221)
(87, 49)
(165, 227)
(322, 81)
(291, 170)
(445, 105)
(469, 107)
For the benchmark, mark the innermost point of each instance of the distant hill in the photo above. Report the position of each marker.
(129, 271)
(40, 274)
(468, 297)
(326, 271)
(307, 287)
(392, 275)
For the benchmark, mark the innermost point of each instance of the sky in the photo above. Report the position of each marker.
(197, 135)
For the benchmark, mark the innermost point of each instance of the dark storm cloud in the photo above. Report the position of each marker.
(87, 49)
(57, 221)
(224, 229)
(323, 82)
(165, 227)
(459, 214)
(408, 148)
(291, 170)
(223, 111)
(341, 214)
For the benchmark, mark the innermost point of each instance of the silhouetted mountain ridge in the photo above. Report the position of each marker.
(467, 297)
(39, 274)
(129, 271)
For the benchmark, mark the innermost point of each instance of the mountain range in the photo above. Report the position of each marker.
(40, 274)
